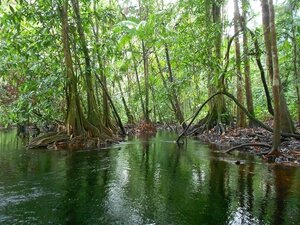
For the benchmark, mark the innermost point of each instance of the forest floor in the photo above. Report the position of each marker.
(258, 139)
(289, 148)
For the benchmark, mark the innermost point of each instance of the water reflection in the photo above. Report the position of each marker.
(146, 180)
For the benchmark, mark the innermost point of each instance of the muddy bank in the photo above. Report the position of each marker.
(259, 141)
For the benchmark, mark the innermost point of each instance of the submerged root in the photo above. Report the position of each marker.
(247, 145)
(60, 140)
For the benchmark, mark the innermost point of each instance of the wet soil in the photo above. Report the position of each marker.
(289, 148)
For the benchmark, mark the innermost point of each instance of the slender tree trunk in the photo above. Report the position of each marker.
(170, 92)
(218, 114)
(267, 38)
(295, 64)
(106, 119)
(130, 119)
(146, 77)
(105, 103)
(154, 102)
(143, 11)
(276, 79)
(138, 83)
(262, 72)
(248, 88)
(241, 120)
(178, 111)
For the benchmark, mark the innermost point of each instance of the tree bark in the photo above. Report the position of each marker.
(146, 78)
(218, 113)
(177, 108)
(286, 123)
(138, 82)
(130, 118)
(74, 122)
(94, 116)
(248, 85)
(275, 84)
(295, 63)
(262, 72)
(241, 122)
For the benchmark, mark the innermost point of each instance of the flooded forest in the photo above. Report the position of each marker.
(149, 112)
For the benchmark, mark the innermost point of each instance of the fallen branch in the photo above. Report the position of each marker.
(196, 114)
(248, 144)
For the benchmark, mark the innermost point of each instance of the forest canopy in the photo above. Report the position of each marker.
(86, 62)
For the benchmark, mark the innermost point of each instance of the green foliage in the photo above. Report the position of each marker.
(32, 66)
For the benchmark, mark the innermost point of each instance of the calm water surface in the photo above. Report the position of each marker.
(143, 181)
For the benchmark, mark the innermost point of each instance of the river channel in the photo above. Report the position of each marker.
(143, 181)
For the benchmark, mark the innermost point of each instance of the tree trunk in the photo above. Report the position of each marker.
(170, 91)
(218, 114)
(262, 72)
(94, 116)
(138, 82)
(295, 64)
(177, 108)
(130, 119)
(146, 77)
(74, 122)
(286, 123)
(275, 84)
(101, 63)
(248, 88)
(241, 122)
(105, 103)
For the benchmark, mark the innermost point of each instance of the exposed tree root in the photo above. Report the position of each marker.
(57, 141)
(248, 144)
(259, 123)
(47, 139)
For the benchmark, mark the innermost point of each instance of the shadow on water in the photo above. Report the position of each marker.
(145, 180)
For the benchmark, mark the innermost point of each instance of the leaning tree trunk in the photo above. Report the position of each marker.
(262, 72)
(171, 92)
(241, 122)
(130, 118)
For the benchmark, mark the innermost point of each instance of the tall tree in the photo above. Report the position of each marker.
(248, 89)
(286, 123)
(241, 120)
(295, 54)
(74, 119)
(272, 58)
(218, 113)
(94, 115)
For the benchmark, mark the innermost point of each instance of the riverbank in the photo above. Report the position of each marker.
(254, 141)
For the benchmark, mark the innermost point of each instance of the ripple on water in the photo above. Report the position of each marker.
(14, 197)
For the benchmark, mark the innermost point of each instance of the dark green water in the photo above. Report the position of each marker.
(143, 181)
